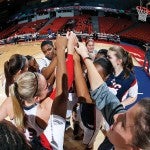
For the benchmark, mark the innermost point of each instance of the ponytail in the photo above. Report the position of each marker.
(128, 64)
(11, 67)
(8, 76)
(17, 107)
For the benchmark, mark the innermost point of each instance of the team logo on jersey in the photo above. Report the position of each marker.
(115, 85)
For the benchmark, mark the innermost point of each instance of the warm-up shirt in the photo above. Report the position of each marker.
(109, 105)
(107, 102)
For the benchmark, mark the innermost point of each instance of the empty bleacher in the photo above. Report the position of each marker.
(113, 25)
(83, 24)
(10, 30)
(56, 25)
(120, 25)
(141, 32)
(105, 23)
(23, 28)
(32, 27)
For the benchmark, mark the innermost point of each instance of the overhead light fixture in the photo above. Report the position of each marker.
(42, 1)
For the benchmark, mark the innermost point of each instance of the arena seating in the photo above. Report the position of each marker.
(113, 25)
(141, 32)
(56, 25)
(32, 27)
(120, 25)
(23, 28)
(10, 30)
(83, 24)
(108, 25)
(105, 23)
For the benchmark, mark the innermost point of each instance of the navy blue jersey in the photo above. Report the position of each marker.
(121, 84)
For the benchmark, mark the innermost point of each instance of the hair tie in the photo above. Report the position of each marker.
(16, 90)
(36, 90)
(23, 62)
(16, 85)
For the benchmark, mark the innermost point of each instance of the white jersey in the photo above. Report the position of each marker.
(54, 132)
(43, 62)
(31, 116)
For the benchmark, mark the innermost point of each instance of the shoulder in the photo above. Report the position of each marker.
(110, 77)
(46, 103)
(43, 62)
(7, 102)
(131, 76)
(130, 80)
(6, 109)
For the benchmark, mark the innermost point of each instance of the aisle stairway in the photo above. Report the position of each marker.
(50, 21)
(95, 23)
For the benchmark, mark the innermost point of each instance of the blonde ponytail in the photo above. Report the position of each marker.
(24, 89)
(17, 108)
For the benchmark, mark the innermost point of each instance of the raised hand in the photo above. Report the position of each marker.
(72, 41)
(61, 42)
(82, 50)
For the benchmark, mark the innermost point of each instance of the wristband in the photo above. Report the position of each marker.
(86, 58)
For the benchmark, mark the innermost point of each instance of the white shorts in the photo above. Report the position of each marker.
(55, 132)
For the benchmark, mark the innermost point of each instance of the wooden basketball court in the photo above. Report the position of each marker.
(33, 48)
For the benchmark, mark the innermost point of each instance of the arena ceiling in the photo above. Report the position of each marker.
(123, 4)
(8, 7)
